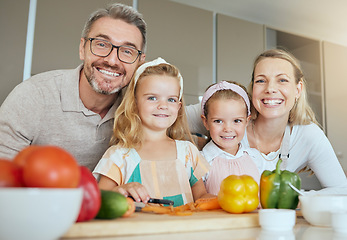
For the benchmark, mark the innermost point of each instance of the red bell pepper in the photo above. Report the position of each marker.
(91, 196)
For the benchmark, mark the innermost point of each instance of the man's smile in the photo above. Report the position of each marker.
(109, 73)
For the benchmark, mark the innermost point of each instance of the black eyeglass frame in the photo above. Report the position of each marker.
(139, 52)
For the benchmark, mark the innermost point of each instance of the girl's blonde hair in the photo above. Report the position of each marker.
(225, 94)
(301, 113)
(127, 128)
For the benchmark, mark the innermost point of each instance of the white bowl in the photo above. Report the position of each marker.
(277, 219)
(339, 222)
(38, 213)
(317, 209)
(316, 233)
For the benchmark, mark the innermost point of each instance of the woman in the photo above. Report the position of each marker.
(283, 124)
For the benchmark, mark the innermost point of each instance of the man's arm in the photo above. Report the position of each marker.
(19, 116)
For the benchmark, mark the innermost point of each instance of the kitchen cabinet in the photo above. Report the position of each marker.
(238, 43)
(335, 62)
(58, 31)
(182, 35)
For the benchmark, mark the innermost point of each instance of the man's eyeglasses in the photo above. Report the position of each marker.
(103, 48)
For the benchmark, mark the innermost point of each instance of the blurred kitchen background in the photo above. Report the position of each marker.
(209, 40)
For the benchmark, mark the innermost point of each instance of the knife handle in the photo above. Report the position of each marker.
(161, 201)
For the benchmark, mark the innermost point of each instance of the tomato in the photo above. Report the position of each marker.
(91, 196)
(50, 167)
(10, 174)
(20, 158)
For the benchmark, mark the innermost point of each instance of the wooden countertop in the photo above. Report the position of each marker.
(302, 230)
(209, 225)
(148, 223)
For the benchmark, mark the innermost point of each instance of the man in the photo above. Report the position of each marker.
(74, 109)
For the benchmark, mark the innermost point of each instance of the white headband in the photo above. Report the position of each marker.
(223, 85)
(156, 62)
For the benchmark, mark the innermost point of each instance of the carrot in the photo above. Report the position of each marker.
(207, 204)
(185, 213)
(187, 207)
(201, 204)
(157, 209)
(131, 208)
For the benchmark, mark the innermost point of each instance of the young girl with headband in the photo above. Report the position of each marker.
(225, 113)
(150, 157)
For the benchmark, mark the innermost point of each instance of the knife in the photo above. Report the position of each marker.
(159, 201)
(140, 205)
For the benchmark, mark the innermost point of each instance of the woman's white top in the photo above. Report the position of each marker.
(308, 147)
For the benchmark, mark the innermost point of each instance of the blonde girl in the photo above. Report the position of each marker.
(225, 113)
(149, 156)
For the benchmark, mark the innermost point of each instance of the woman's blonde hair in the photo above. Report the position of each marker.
(127, 128)
(301, 113)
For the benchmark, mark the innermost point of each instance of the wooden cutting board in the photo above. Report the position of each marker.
(147, 223)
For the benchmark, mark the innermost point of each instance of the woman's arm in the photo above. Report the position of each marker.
(312, 148)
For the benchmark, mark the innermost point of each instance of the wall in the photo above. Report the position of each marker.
(58, 31)
(335, 61)
(13, 24)
(57, 34)
(236, 63)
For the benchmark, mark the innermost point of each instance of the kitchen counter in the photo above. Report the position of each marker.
(207, 225)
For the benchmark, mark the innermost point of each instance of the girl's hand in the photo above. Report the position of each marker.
(135, 190)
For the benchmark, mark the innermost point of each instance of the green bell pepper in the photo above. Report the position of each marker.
(275, 191)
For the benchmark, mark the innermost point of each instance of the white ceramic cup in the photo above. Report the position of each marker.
(277, 219)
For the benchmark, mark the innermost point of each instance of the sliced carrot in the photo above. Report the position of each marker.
(185, 213)
(157, 209)
(207, 204)
(184, 210)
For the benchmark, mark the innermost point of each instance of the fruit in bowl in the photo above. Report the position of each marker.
(318, 209)
(38, 213)
(43, 191)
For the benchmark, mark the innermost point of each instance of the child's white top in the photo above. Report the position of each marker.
(168, 179)
(224, 164)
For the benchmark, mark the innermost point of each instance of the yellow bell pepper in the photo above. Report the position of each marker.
(238, 194)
